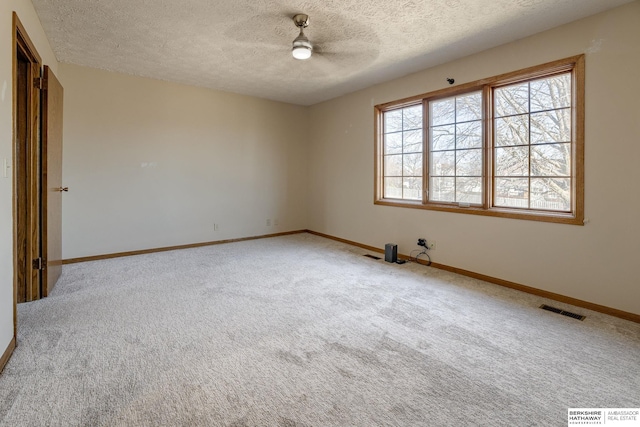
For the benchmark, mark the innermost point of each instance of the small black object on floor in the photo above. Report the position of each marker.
(391, 252)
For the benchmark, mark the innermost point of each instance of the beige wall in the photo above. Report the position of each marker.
(152, 164)
(595, 262)
(32, 25)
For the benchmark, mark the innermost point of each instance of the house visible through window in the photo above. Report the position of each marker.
(507, 146)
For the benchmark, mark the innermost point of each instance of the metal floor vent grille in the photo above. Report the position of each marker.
(372, 256)
(564, 313)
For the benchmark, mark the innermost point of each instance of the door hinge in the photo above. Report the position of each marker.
(39, 264)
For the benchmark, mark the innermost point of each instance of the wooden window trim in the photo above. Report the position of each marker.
(575, 64)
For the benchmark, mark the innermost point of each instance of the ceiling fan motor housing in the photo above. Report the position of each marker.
(301, 20)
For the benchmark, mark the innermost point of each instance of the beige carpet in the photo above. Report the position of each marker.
(304, 331)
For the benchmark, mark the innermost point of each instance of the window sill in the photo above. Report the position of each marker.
(559, 218)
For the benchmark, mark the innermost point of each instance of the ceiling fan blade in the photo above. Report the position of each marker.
(270, 29)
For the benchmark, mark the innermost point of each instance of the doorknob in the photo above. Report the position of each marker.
(61, 189)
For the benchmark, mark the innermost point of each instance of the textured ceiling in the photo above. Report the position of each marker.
(243, 46)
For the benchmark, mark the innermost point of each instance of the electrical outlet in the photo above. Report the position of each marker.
(215, 227)
(276, 222)
(268, 222)
(431, 244)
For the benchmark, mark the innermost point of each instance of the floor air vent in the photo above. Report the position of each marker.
(372, 256)
(564, 313)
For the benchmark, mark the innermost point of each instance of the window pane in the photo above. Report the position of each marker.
(412, 188)
(551, 93)
(512, 130)
(393, 143)
(442, 189)
(469, 162)
(551, 160)
(393, 121)
(403, 147)
(512, 192)
(443, 163)
(511, 100)
(469, 135)
(551, 126)
(393, 188)
(442, 112)
(469, 190)
(412, 141)
(512, 161)
(443, 137)
(412, 164)
(551, 194)
(412, 117)
(393, 165)
(469, 107)
(456, 150)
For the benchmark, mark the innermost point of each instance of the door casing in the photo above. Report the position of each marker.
(26, 166)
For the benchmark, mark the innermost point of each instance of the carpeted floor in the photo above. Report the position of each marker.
(304, 331)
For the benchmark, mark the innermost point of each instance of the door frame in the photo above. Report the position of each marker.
(23, 44)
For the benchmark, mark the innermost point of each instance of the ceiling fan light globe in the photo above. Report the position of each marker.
(302, 48)
(301, 52)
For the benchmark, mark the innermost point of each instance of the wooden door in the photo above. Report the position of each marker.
(51, 184)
